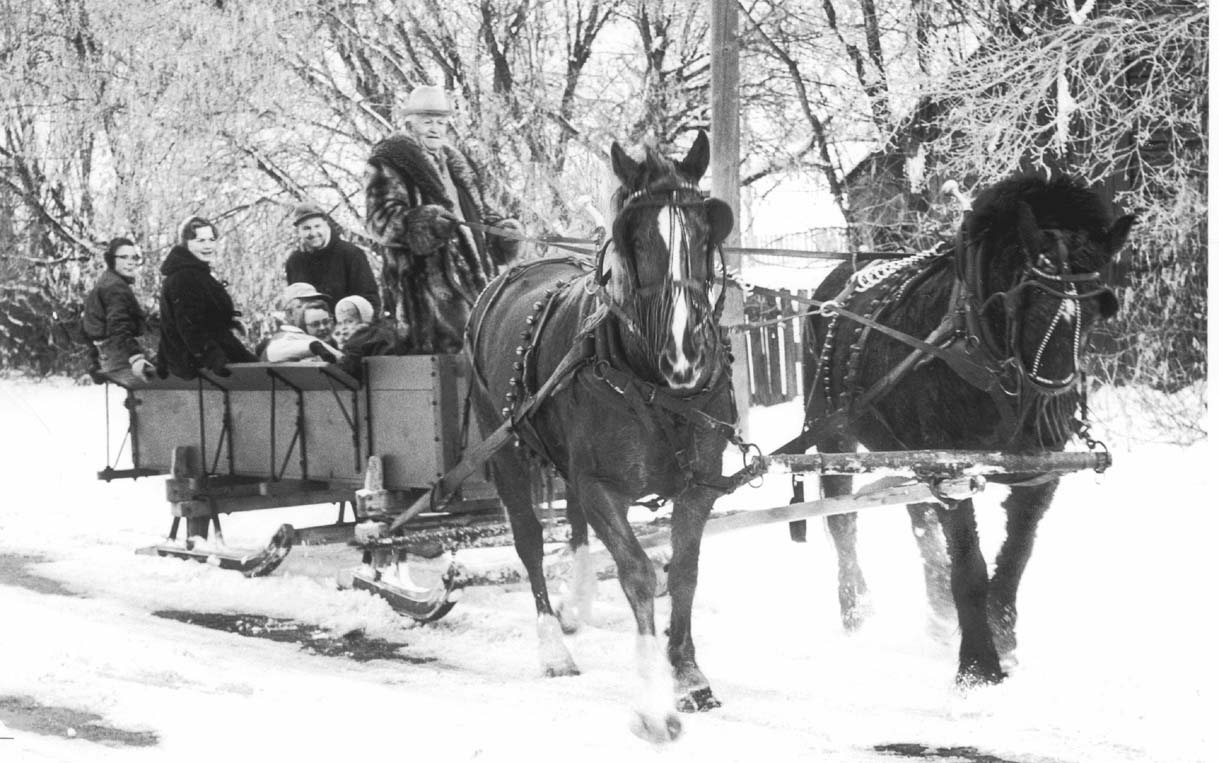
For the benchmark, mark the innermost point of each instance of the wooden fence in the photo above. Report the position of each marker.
(773, 347)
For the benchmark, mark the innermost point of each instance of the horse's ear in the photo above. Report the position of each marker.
(720, 219)
(1115, 237)
(1028, 231)
(624, 166)
(695, 163)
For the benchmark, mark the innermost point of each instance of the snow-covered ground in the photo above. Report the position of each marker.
(1117, 649)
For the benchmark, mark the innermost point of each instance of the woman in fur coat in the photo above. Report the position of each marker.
(417, 189)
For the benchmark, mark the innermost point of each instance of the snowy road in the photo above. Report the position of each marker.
(1117, 659)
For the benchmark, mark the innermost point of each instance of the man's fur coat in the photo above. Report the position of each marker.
(433, 270)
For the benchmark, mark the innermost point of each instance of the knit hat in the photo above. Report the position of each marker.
(305, 210)
(361, 305)
(429, 100)
(300, 290)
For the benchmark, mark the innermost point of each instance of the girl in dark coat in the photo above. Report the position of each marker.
(113, 319)
(197, 315)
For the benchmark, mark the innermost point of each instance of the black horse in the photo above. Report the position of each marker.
(1006, 312)
(618, 376)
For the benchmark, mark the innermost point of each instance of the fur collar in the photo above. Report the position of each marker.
(409, 157)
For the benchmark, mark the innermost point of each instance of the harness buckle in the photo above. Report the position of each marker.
(648, 392)
(829, 308)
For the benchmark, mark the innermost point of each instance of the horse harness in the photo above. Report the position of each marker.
(595, 359)
(962, 339)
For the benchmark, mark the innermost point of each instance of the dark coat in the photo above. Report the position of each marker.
(374, 339)
(338, 270)
(113, 321)
(197, 318)
(432, 274)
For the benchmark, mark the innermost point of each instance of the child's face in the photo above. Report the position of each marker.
(348, 320)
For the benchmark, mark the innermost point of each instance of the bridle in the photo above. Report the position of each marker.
(638, 310)
(1048, 272)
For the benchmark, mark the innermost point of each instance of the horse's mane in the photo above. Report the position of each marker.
(1063, 203)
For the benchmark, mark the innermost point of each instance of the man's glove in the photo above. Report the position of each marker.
(95, 373)
(504, 249)
(428, 228)
(142, 367)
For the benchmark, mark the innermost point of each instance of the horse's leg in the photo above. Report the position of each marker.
(511, 475)
(690, 510)
(978, 661)
(655, 717)
(1025, 507)
(852, 588)
(576, 606)
(936, 576)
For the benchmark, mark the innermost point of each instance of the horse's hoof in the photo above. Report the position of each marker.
(657, 730)
(974, 676)
(854, 618)
(698, 701)
(560, 670)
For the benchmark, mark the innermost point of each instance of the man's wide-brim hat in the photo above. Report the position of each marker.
(428, 100)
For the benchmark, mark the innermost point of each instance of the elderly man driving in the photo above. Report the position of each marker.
(418, 191)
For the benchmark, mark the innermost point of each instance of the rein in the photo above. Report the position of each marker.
(570, 244)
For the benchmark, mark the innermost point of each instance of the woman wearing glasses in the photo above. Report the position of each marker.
(197, 313)
(114, 321)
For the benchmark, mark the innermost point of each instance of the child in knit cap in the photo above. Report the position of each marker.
(351, 313)
(358, 335)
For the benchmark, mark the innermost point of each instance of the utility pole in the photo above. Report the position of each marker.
(726, 176)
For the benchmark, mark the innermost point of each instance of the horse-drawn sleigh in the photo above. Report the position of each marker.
(616, 373)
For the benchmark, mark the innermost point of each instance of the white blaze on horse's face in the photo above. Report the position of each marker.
(672, 226)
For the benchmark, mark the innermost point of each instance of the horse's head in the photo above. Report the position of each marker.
(661, 268)
(1036, 251)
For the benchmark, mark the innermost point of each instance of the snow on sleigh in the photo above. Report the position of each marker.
(296, 434)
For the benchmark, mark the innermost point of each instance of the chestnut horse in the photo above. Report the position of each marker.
(618, 376)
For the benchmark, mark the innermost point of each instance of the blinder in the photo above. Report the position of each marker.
(721, 220)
